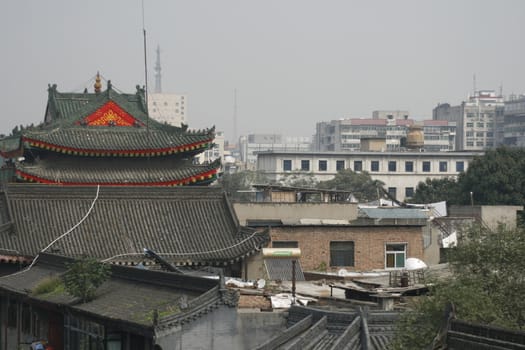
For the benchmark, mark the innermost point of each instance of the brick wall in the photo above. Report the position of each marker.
(369, 243)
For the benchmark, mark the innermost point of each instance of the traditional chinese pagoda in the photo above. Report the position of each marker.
(106, 138)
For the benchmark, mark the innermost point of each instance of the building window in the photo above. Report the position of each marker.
(392, 191)
(470, 125)
(409, 166)
(480, 134)
(287, 165)
(342, 253)
(285, 244)
(443, 167)
(374, 165)
(426, 166)
(339, 165)
(392, 165)
(480, 124)
(12, 313)
(305, 165)
(358, 165)
(395, 255)
(409, 192)
(470, 143)
(323, 165)
(460, 166)
(83, 334)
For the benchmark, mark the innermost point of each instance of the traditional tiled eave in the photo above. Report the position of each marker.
(150, 152)
(199, 179)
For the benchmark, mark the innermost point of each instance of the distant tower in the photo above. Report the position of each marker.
(158, 85)
(235, 116)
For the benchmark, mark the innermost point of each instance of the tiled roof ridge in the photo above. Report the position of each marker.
(197, 307)
(19, 190)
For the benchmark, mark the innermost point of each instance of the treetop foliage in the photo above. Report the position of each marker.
(487, 287)
(496, 178)
(84, 276)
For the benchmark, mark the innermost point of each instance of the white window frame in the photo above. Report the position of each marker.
(396, 252)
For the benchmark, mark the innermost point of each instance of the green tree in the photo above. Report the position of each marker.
(487, 286)
(436, 190)
(299, 179)
(495, 178)
(234, 184)
(84, 276)
(361, 184)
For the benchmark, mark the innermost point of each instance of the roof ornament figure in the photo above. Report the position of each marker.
(98, 84)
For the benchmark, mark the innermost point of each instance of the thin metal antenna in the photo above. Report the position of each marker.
(145, 60)
(146, 88)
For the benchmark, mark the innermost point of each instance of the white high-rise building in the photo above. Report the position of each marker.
(169, 108)
(479, 120)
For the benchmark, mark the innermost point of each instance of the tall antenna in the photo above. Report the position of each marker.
(235, 116)
(145, 59)
(146, 89)
(158, 77)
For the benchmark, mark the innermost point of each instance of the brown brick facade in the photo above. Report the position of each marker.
(369, 243)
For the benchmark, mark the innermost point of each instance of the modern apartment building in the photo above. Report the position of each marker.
(347, 134)
(514, 125)
(169, 108)
(400, 171)
(479, 120)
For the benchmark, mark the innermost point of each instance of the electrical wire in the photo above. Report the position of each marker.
(64, 234)
(186, 253)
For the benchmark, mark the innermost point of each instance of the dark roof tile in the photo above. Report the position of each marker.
(185, 225)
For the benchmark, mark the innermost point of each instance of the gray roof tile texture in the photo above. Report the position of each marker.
(129, 295)
(185, 225)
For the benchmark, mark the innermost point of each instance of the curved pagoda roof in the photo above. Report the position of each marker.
(87, 172)
(106, 124)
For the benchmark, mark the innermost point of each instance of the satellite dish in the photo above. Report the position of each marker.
(342, 272)
(261, 283)
(415, 264)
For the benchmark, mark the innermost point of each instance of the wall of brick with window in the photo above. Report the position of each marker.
(369, 243)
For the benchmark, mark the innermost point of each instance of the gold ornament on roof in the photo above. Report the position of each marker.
(98, 84)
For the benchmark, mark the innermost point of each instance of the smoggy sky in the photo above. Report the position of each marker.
(292, 62)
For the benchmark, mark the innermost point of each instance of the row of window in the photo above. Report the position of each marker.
(342, 253)
(426, 166)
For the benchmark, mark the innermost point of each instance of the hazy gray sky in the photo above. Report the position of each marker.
(293, 62)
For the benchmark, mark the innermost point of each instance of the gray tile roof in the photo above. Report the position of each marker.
(100, 138)
(130, 295)
(104, 171)
(320, 329)
(185, 225)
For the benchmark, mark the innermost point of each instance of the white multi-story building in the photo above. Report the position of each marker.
(479, 120)
(346, 134)
(169, 108)
(217, 151)
(514, 125)
(250, 144)
(400, 171)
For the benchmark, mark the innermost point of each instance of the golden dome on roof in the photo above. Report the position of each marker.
(98, 84)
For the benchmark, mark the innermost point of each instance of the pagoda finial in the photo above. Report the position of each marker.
(98, 84)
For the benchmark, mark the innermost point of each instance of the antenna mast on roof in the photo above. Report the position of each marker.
(145, 60)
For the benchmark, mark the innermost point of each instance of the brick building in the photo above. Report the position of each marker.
(359, 248)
